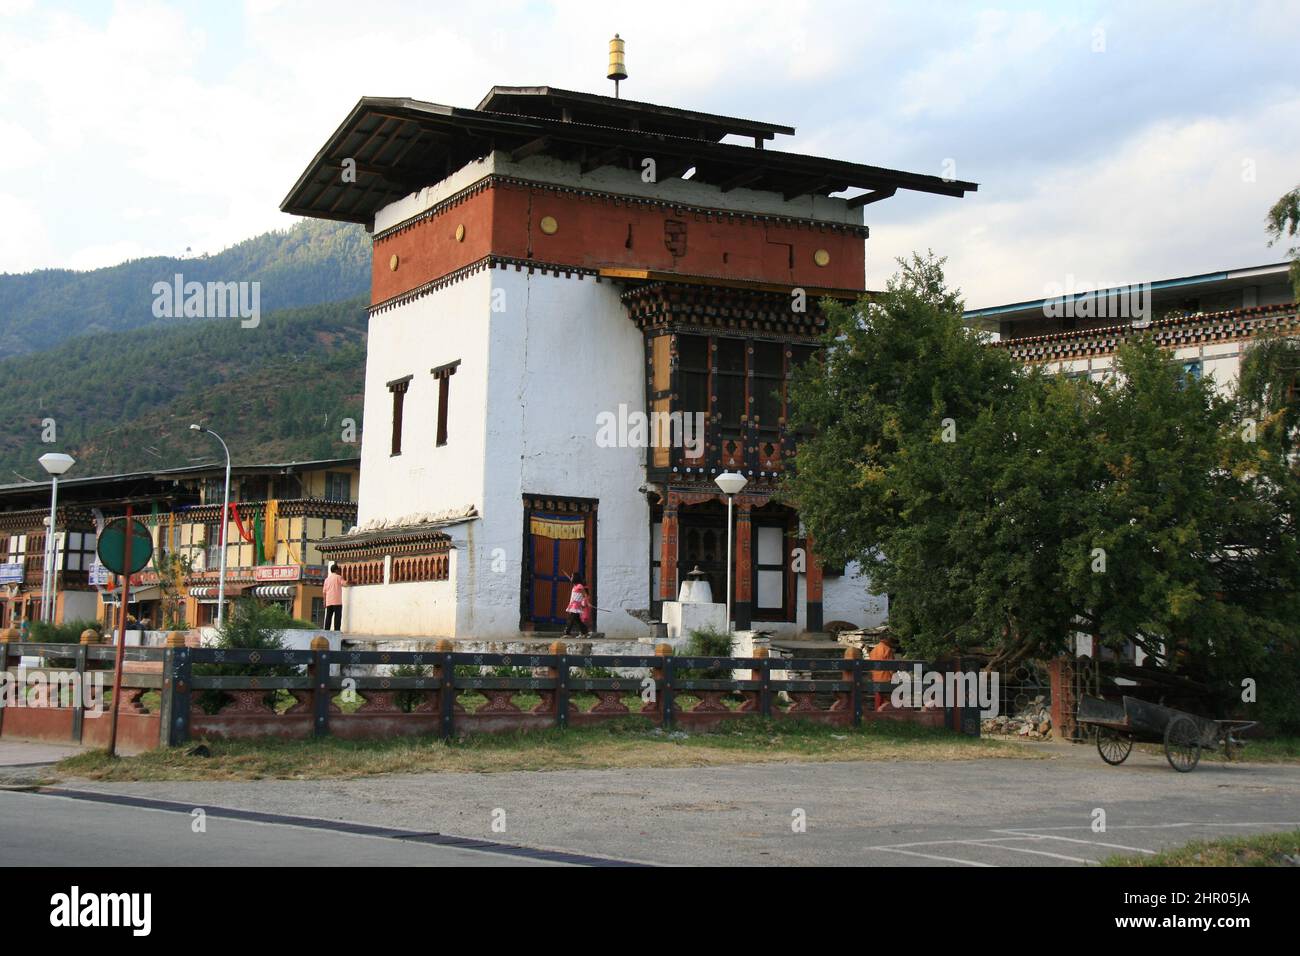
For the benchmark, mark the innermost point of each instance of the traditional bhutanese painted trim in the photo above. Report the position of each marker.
(1171, 333)
(378, 544)
(662, 307)
(287, 508)
(757, 494)
(21, 522)
(433, 285)
(318, 508)
(487, 262)
(713, 213)
(534, 502)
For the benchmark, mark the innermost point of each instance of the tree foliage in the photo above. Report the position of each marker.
(124, 402)
(1284, 222)
(1006, 509)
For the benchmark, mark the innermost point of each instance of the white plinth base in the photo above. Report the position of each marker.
(683, 618)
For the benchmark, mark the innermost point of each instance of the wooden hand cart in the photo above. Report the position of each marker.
(1184, 735)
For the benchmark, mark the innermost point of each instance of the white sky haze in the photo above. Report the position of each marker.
(1112, 142)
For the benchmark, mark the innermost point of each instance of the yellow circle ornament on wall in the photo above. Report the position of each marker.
(460, 233)
(392, 263)
(549, 226)
(822, 257)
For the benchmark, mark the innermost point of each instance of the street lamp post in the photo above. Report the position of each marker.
(731, 483)
(225, 518)
(55, 463)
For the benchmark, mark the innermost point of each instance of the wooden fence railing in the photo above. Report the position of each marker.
(174, 694)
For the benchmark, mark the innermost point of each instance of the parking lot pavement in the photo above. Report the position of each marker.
(989, 812)
(1065, 845)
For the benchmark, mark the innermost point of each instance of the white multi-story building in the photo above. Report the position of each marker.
(551, 268)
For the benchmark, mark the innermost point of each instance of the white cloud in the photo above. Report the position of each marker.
(151, 127)
(24, 243)
(1169, 201)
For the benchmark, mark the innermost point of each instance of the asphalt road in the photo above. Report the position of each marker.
(992, 812)
(46, 829)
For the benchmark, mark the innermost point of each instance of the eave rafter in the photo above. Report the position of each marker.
(875, 195)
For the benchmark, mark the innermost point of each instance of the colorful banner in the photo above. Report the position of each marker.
(563, 529)
(259, 555)
(269, 532)
(239, 523)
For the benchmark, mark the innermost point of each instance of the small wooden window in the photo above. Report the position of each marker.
(769, 377)
(693, 373)
(338, 486)
(729, 387)
(398, 389)
(443, 374)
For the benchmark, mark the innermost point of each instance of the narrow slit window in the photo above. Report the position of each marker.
(443, 374)
(398, 390)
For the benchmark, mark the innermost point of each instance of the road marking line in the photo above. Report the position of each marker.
(984, 840)
(1116, 846)
(1155, 826)
(931, 856)
(1020, 849)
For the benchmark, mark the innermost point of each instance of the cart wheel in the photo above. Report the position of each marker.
(1183, 744)
(1113, 746)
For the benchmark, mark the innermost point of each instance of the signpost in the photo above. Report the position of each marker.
(11, 573)
(124, 548)
(277, 572)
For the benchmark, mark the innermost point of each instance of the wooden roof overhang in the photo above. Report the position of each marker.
(400, 145)
(399, 542)
(571, 106)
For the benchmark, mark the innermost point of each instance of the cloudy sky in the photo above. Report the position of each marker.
(1113, 142)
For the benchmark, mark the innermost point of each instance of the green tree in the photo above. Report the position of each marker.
(891, 369)
(1284, 221)
(1265, 570)
(172, 567)
(1007, 509)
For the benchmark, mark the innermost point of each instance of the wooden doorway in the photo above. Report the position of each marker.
(559, 541)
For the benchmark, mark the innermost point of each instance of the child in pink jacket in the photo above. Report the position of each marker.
(579, 609)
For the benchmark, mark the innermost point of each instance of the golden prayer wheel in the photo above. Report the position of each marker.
(618, 64)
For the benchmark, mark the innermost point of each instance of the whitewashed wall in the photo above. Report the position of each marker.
(562, 351)
(448, 324)
(849, 598)
(534, 376)
(412, 609)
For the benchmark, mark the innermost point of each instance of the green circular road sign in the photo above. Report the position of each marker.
(112, 546)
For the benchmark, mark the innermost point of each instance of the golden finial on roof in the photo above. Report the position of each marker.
(617, 63)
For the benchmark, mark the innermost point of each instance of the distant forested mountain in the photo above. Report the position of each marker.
(311, 263)
(124, 402)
